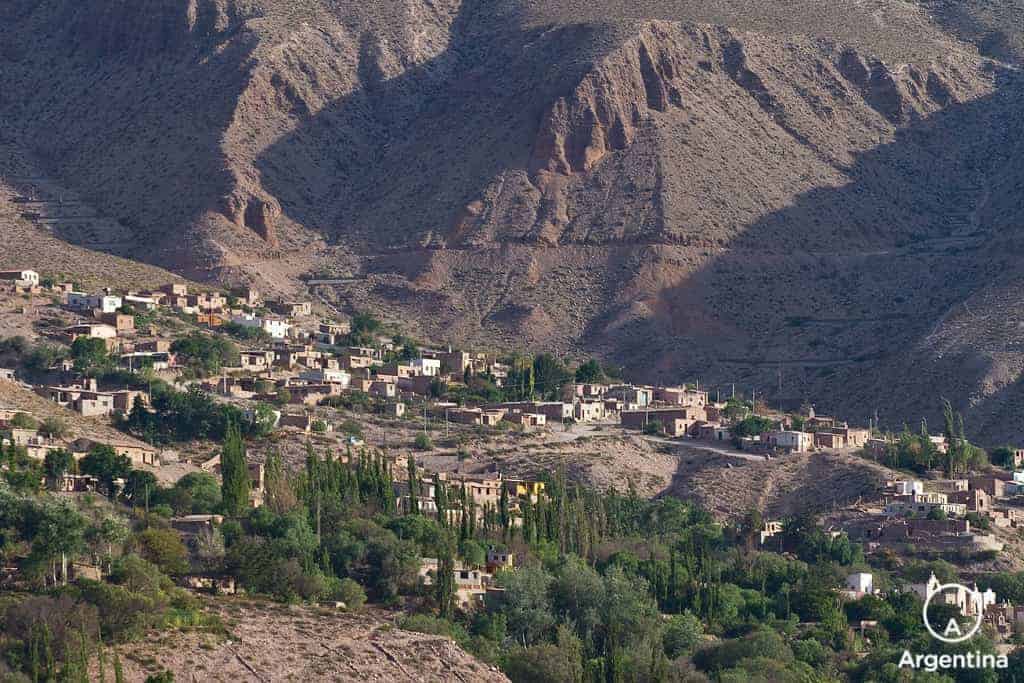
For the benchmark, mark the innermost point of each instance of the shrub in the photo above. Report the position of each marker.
(653, 428)
(53, 427)
(55, 624)
(124, 615)
(163, 547)
(351, 593)
(138, 575)
(422, 442)
(424, 623)
(683, 632)
(24, 421)
(352, 428)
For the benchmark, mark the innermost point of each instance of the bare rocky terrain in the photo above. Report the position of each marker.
(273, 642)
(790, 485)
(802, 197)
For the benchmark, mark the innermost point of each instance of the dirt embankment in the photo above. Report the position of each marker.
(271, 642)
(784, 486)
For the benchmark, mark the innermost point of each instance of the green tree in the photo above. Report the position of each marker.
(234, 473)
(58, 462)
(414, 485)
(53, 427)
(683, 633)
(549, 375)
(104, 463)
(163, 547)
(202, 490)
(589, 372)
(24, 421)
(527, 605)
(58, 533)
(352, 594)
(205, 354)
(1002, 456)
(473, 554)
(139, 485)
(445, 581)
(91, 356)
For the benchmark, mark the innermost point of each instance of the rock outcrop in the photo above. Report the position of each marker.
(729, 188)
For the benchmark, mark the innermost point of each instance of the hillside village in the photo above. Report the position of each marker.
(98, 397)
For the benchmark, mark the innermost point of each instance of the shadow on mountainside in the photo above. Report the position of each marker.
(394, 164)
(832, 298)
(155, 169)
(837, 296)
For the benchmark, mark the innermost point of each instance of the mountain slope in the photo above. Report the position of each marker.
(801, 197)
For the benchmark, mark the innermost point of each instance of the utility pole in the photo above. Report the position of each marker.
(734, 390)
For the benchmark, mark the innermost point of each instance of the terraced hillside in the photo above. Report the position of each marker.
(801, 197)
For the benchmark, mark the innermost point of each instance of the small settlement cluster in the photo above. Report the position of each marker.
(296, 362)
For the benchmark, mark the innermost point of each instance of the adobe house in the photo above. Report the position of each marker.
(137, 452)
(681, 396)
(122, 323)
(588, 411)
(527, 420)
(831, 440)
(674, 421)
(175, 290)
(976, 500)
(993, 486)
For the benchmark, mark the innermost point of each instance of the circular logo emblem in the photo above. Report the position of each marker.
(952, 632)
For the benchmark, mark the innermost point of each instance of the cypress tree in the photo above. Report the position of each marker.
(234, 473)
(526, 509)
(445, 582)
(414, 507)
(503, 512)
(441, 500)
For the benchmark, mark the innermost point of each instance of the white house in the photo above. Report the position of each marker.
(29, 277)
(430, 367)
(797, 442)
(94, 330)
(276, 328)
(860, 584)
(908, 488)
(327, 376)
(143, 302)
(106, 303)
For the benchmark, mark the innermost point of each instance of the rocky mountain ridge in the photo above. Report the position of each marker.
(801, 198)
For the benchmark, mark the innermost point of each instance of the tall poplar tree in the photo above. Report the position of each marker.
(441, 500)
(234, 472)
(446, 581)
(414, 507)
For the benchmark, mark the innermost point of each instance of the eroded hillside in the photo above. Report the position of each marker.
(801, 197)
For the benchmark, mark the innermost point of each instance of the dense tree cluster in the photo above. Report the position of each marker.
(205, 354)
(56, 633)
(187, 415)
